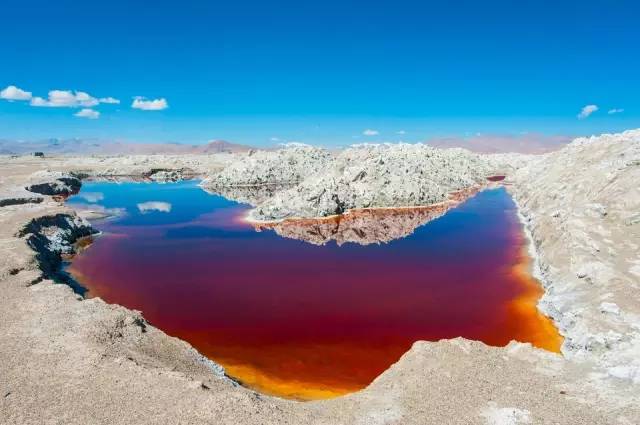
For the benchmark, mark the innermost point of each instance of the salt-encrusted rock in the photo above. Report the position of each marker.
(580, 202)
(18, 199)
(252, 195)
(288, 165)
(321, 184)
(54, 183)
(379, 176)
(53, 236)
(164, 175)
(159, 167)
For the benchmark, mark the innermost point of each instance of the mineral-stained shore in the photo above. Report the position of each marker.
(68, 360)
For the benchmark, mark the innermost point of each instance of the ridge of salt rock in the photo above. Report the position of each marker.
(288, 165)
(379, 176)
(303, 181)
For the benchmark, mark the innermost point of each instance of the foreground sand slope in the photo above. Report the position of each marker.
(67, 360)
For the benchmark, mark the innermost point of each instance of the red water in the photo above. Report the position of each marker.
(303, 321)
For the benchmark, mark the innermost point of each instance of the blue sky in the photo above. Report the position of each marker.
(320, 72)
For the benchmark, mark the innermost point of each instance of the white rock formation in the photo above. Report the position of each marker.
(379, 176)
(359, 177)
(290, 164)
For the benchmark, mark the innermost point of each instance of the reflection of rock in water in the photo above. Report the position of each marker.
(252, 195)
(363, 226)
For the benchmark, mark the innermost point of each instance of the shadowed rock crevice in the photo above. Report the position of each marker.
(6, 202)
(60, 186)
(53, 237)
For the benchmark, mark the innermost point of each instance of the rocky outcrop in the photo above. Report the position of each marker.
(167, 167)
(251, 195)
(319, 184)
(169, 174)
(582, 208)
(53, 237)
(54, 184)
(48, 183)
(372, 176)
(288, 165)
(6, 201)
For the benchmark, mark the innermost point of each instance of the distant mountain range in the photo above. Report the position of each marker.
(102, 147)
(529, 143)
(525, 143)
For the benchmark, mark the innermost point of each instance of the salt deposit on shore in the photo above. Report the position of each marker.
(67, 360)
(582, 207)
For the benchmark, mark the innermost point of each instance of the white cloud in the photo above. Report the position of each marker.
(87, 113)
(56, 98)
(275, 139)
(586, 111)
(369, 132)
(66, 99)
(14, 93)
(401, 132)
(615, 111)
(154, 206)
(38, 101)
(111, 100)
(140, 102)
(82, 98)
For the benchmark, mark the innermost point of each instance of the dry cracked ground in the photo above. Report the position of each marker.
(65, 360)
